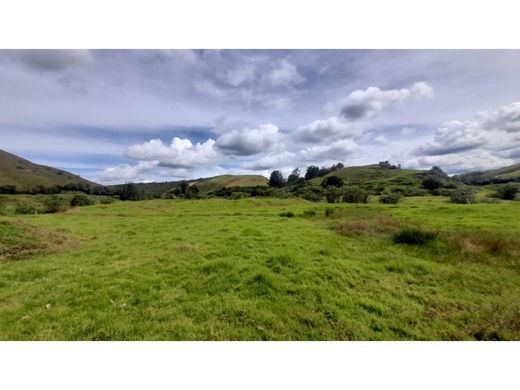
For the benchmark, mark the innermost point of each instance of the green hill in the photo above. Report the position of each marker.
(375, 178)
(204, 184)
(492, 176)
(24, 174)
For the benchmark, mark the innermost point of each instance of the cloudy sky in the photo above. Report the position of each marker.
(120, 116)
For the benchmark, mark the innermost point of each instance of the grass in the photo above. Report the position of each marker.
(234, 270)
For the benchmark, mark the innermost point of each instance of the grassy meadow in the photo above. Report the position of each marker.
(261, 269)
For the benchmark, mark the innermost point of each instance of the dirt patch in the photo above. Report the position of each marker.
(381, 224)
(481, 242)
(19, 240)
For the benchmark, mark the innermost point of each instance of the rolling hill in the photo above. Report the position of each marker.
(24, 174)
(204, 184)
(492, 176)
(373, 177)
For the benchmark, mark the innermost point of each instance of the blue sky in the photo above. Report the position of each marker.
(116, 116)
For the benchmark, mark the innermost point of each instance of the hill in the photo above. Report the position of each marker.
(16, 171)
(492, 176)
(204, 184)
(377, 179)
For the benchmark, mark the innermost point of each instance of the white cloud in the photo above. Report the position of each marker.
(365, 103)
(380, 140)
(239, 75)
(181, 153)
(326, 129)
(125, 172)
(286, 74)
(247, 141)
(407, 130)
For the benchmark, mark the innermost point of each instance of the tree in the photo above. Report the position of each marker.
(312, 172)
(130, 192)
(437, 171)
(431, 182)
(276, 179)
(507, 192)
(332, 181)
(294, 176)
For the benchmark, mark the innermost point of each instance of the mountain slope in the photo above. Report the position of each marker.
(24, 174)
(492, 176)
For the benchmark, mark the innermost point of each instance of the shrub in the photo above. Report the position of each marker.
(25, 208)
(507, 192)
(332, 181)
(413, 236)
(390, 198)
(333, 194)
(431, 182)
(462, 197)
(288, 214)
(329, 211)
(130, 192)
(55, 204)
(309, 213)
(81, 200)
(354, 195)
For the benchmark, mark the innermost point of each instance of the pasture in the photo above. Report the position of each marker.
(261, 269)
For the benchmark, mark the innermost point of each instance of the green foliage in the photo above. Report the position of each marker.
(130, 192)
(294, 176)
(288, 214)
(431, 182)
(276, 179)
(354, 195)
(332, 181)
(81, 200)
(26, 208)
(413, 236)
(462, 197)
(55, 204)
(392, 198)
(507, 191)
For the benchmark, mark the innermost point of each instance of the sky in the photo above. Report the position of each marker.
(116, 116)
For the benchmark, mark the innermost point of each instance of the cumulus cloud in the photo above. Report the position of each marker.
(126, 172)
(506, 118)
(286, 74)
(181, 153)
(248, 141)
(493, 131)
(326, 129)
(490, 140)
(52, 60)
(365, 103)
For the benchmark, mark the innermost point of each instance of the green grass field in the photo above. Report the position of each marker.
(236, 270)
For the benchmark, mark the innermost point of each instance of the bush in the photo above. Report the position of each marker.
(329, 211)
(354, 195)
(431, 183)
(25, 208)
(390, 198)
(413, 236)
(55, 204)
(288, 214)
(81, 200)
(507, 192)
(332, 181)
(462, 197)
(309, 213)
(333, 194)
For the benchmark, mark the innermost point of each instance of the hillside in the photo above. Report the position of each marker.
(373, 177)
(204, 184)
(24, 174)
(492, 176)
